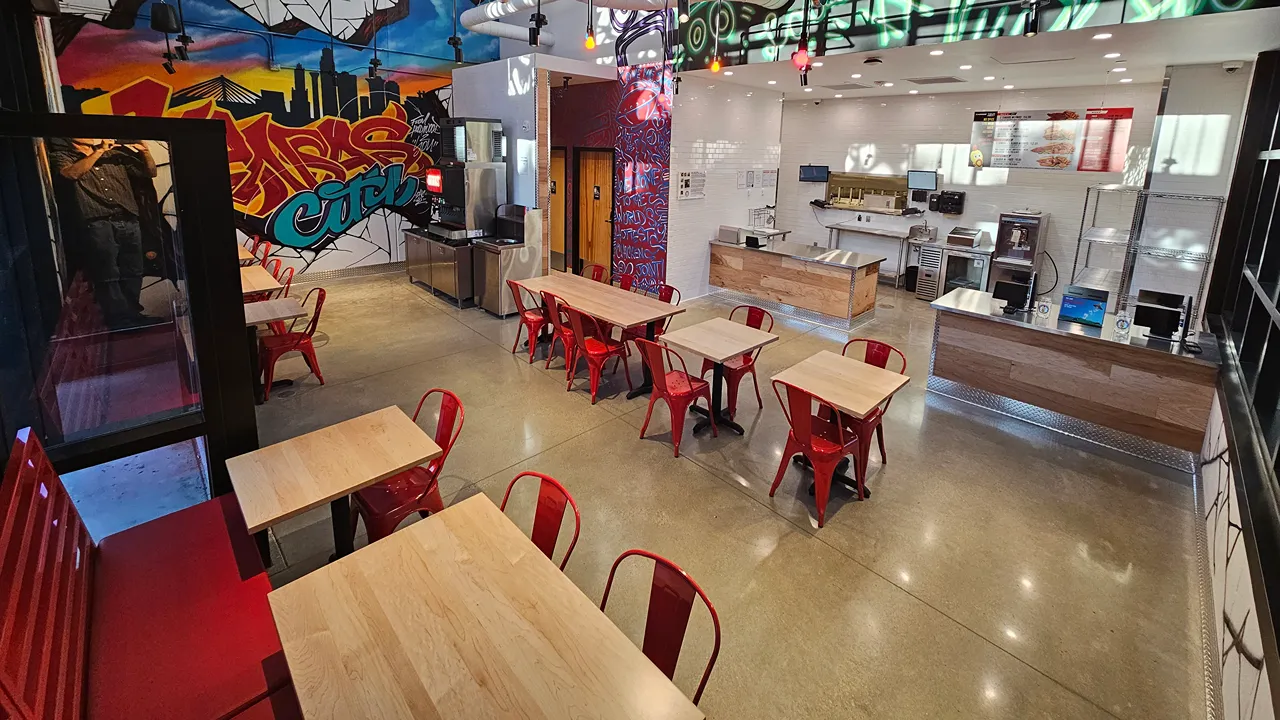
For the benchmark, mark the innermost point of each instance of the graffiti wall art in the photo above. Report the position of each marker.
(740, 33)
(642, 173)
(328, 149)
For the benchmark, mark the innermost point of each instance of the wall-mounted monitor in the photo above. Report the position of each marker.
(922, 180)
(814, 173)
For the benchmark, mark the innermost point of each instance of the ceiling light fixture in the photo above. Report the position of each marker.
(989, 77)
(1118, 70)
(682, 11)
(818, 64)
(727, 73)
(808, 89)
(966, 67)
(1102, 36)
(935, 52)
(1008, 87)
(715, 64)
(839, 95)
(855, 76)
(1126, 80)
(1111, 56)
(773, 82)
(888, 84)
(1032, 8)
(913, 92)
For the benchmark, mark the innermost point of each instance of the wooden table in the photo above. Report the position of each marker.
(718, 340)
(256, 279)
(263, 313)
(852, 386)
(289, 478)
(460, 616)
(603, 301)
(245, 255)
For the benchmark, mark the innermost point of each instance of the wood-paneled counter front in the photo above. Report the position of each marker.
(1147, 388)
(836, 283)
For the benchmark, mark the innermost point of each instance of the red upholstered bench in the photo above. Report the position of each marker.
(167, 620)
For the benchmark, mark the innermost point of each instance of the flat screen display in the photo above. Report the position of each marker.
(814, 173)
(1083, 310)
(1013, 294)
(922, 180)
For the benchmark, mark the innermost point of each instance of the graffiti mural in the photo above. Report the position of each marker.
(742, 33)
(642, 173)
(328, 149)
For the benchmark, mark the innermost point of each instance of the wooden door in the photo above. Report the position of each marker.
(557, 208)
(594, 221)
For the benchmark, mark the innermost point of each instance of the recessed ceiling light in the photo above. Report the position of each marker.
(989, 77)
(728, 73)
(1119, 69)
(1102, 36)
(884, 104)
(913, 92)
(839, 96)
(1008, 87)
(1126, 79)
(888, 85)
(817, 64)
(966, 67)
(1111, 56)
(935, 52)
(773, 82)
(855, 76)
(808, 89)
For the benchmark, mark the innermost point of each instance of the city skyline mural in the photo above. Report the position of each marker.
(328, 159)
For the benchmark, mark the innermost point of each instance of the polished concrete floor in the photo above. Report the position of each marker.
(997, 571)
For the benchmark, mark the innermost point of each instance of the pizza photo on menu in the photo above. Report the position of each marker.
(1057, 132)
(1063, 115)
(1055, 161)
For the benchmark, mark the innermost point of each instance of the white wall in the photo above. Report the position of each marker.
(504, 90)
(716, 128)
(921, 132)
(568, 20)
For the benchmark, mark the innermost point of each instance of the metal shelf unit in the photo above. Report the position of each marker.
(1189, 238)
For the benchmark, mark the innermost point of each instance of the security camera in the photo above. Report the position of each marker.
(1232, 66)
(817, 102)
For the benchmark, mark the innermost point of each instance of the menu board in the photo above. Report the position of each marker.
(1090, 140)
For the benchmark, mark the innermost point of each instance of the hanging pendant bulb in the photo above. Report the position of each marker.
(715, 64)
(682, 11)
(591, 39)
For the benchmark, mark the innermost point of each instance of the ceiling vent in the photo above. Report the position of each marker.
(941, 80)
(850, 86)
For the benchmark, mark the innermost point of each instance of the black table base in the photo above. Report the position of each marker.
(343, 539)
(722, 421)
(646, 387)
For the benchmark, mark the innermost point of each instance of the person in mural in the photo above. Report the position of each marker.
(100, 212)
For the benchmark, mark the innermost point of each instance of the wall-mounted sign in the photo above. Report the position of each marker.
(553, 187)
(1090, 140)
(691, 185)
(596, 193)
(770, 178)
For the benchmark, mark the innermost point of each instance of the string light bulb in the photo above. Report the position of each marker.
(591, 40)
(715, 64)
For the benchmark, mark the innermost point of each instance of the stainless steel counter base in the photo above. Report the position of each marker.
(809, 316)
(1138, 447)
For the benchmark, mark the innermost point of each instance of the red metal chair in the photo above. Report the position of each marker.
(670, 604)
(874, 353)
(822, 440)
(533, 319)
(677, 387)
(385, 505)
(625, 281)
(594, 344)
(560, 332)
(264, 246)
(272, 347)
(552, 497)
(599, 273)
(286, 280)
(737, 368)
(667, 294)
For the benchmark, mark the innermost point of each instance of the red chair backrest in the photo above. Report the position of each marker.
(273, 266)
(756, 317)
(595, 272)
(584, 326)
(265, 247)
(555, 308)
(46, 559)
(517, 292)
(315, 315)
(670, 603)
(448, 424)
(286, 279)
(625, 281)
(552, 498)
(667, 292)
(877, 353)
(657, 357)
(798, 407)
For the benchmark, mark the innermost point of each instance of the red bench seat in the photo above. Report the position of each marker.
(168, 619)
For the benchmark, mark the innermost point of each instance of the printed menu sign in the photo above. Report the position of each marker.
(1091, 140)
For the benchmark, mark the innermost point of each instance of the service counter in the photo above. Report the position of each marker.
(831, 287)
(1143, 396)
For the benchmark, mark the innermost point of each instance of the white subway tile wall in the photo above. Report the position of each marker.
(720, 129)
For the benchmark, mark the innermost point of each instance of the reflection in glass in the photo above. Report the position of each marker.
(120, 354)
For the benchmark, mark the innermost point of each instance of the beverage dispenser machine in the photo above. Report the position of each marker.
(1020, 246)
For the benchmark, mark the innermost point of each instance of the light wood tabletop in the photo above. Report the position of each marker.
(718, 339)
(601, 300)
(851, 385)
(245, 255)
(289, 478)
(460, 616)
(256, 279)
(267, 311)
